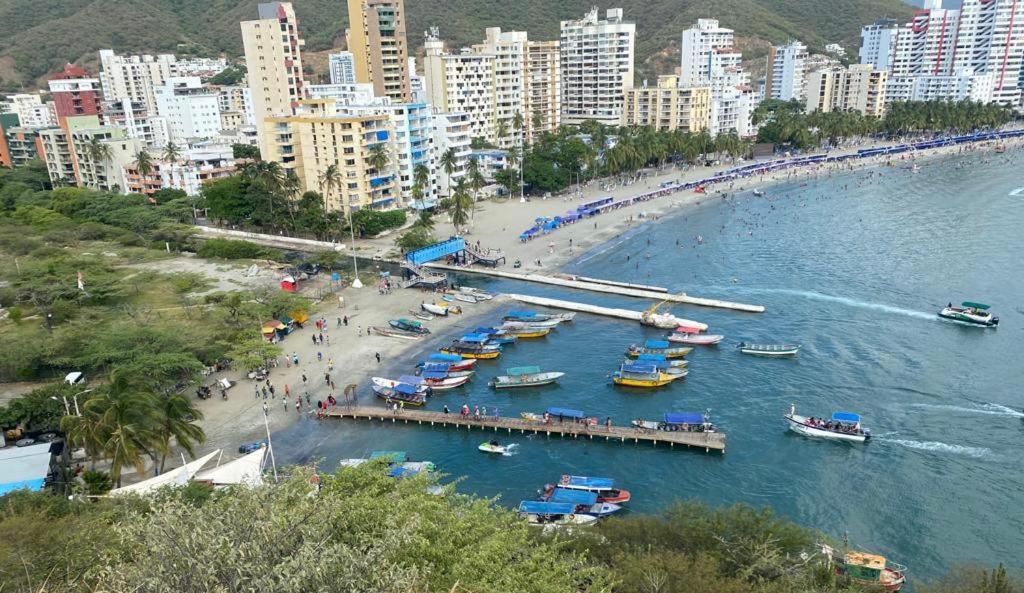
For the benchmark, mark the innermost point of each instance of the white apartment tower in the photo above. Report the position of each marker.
(787, 73)
(878, 43)
(509, 49)
(342, 66)
(701, 47)
(990, 40)
(133, 78)
(709, 59)
(192, 111)
(273, 60)
(926, 45)
(463, 83)
(596, 67)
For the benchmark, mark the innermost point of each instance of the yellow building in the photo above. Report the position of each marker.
(273, 60)
(316, 137)
(668, 107)
(543, 88)
(859, 87)
(377, 39)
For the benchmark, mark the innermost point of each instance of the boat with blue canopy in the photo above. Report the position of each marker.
(553, 514)
(535, 316)
(409, 325)
(441, 380)
(603, 487)
(679, 421)
(409, 394)
(644, 375)
(445, 368)
(526, 376)
(455, 362)
(560, 415)
(842, 426)
(496, 336)
(659, 347)
(659, 361)
(585, 501)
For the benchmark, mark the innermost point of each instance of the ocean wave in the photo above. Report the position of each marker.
(937, 447)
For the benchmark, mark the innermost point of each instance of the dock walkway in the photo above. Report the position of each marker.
(709, 441)
(604, 287)
(596, 310)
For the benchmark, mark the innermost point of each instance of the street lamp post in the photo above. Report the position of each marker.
(356, 283)
(67, 409)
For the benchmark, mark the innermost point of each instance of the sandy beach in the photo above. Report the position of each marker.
(497, 225)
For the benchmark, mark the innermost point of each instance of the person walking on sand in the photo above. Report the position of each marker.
(344, 320)
(377, 354)
(284, 402)
(287, 391)
(298, 405)
(266, 409)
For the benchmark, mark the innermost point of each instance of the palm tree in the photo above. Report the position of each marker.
(329, 180)
(143, 163)
(98, 152)
(175, 417)
(462, 204)
(378, 158)
(269, 177)
(448, 163)
(172, 152)
(476, 181)
(425, 221)
(421, 175)
(501, 130)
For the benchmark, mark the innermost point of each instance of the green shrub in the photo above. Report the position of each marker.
(233, 249)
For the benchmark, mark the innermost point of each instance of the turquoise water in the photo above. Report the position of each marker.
(853, 267)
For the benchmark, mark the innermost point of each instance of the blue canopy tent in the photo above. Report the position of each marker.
(639, 369)
(573, 496)
(534, 507)
(651, 358)
(474, 338)
(566, 413)
(437, 367)
(656, 344)
(684, 418)
(434, 374)
(588, 482)
(439, 356)
(407, 388)
(846, 417)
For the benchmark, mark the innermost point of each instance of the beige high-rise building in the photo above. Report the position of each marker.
(273, 60)
(377, 39)
(596, 66)
(543, 88)
(135, 77)
(317, 137)
(463, 83)
(510, 76)
(858, 88)
(668, 107)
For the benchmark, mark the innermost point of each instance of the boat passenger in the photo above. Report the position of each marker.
(445, 411)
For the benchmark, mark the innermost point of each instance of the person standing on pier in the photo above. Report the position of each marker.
(608, 423)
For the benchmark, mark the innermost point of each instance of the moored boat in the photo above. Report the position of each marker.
(463, 297)
(866, 569)
(660, 347)
(424, 316)
(553, 514)
(393, 333)
(434, 309)
(659, 361)
(454, 361)
(769, 349)
(530, 376)
(554, 415)
(548, 324)
(496, 336)
(407, 325)
(493, 446)
(401, 392)
(692, 335)
(643, 375)
(477, 352)
(604, 487)
(476, 341)
(444, 368)
(420, 386)
(679, 421)
(440, 381)
(534, 316)
(970, 313)
(585, 501)
(843, 426)
(527, 332)
(480, 295)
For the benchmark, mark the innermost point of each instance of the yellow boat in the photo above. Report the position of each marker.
(453, 309)
(643, 375)
(532, 333)
(466, 353)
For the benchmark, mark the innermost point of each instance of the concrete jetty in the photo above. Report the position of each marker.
(596, 310)
(709, 441)
(605, 288)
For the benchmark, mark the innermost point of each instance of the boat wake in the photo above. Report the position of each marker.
(831, 299)
(937, 447)
(510, 450)
(1017, 192)
(980, 408)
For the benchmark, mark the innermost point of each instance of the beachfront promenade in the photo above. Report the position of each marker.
(709, 441)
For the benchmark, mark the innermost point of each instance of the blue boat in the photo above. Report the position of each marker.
(496, 336)
(679, 421)
(441, 357)
(659, 347)
(603, 487)
(660, 361)
(585, 501)
(552, 513)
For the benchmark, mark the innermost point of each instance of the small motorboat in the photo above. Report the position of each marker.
(393, 333)
(454, 361)
(424, 316)
(970, 313)
(410, 380)
(444, 369)
(496, 336)
(759, 193)
(585, 501)
(404, 393)
(843, 426)
(552, 514)
(480, 295)
(533, 316)
(604, 487)
(493, 446)
(692, 335)
(868, 570)
(526, 332)
(678, 421)
(476, 341)
(464, 297)
(441, 381)
(447, 298)
(407, 325)
(547, 324)
(441, 310)
(479, 352)
(644, 375)
(660, 347)
(530, 376)
(659, 361)
(769, 349)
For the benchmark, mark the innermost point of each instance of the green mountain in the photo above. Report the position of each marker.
(38, 36)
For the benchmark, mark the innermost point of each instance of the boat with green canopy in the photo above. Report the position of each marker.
(970, 313)
(528, 376)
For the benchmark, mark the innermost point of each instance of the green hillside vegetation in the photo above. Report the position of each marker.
(41, 35)
(360, 530)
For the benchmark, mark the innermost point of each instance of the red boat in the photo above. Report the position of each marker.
(603, 487)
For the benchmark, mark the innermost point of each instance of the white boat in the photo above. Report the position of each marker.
(495, 447)
(393, 333)
(769, 349)
(424, 316)
(465, 298)
(696, 339)
(446, 383)
(391, 383)
(530, 376)
(759, 193)
(843, 426)
(480, 295)
(550, 323)
(969, 313)
(434, 309)
(557, 514)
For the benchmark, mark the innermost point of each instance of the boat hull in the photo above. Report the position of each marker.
(391, 383)
(666, 352)
(967, 319)
(661, 381)
(509, 382)
(391, 396)
(435, 309)
(447, 383)
(697, 340)
(485, 355)
(798, 424)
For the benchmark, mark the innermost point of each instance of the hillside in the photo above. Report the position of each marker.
(38, 36)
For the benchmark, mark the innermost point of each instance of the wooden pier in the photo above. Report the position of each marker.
(605, 287)
(595, 309)
(709, 441)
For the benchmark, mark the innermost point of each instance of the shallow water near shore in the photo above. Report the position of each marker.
(853, 267)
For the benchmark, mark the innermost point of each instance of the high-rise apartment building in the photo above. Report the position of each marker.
(377, 40)
(30, 109)
(543, 88)
(860, 87)
(710, 59)
(510, 75)
(596, 67)
(137, 122)
(235, 104)
(990, 40)
(703, 47)
(273, 60)
(668, 107)
(878, 43)
(926, 45)
(74, 93)
(462, 82)
(452, 135)
(787, 71)
(342, 67)
(191, 110)
(133, 78)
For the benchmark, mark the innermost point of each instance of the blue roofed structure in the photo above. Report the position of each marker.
(546, 508)
(24, 467)
(574, 496)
